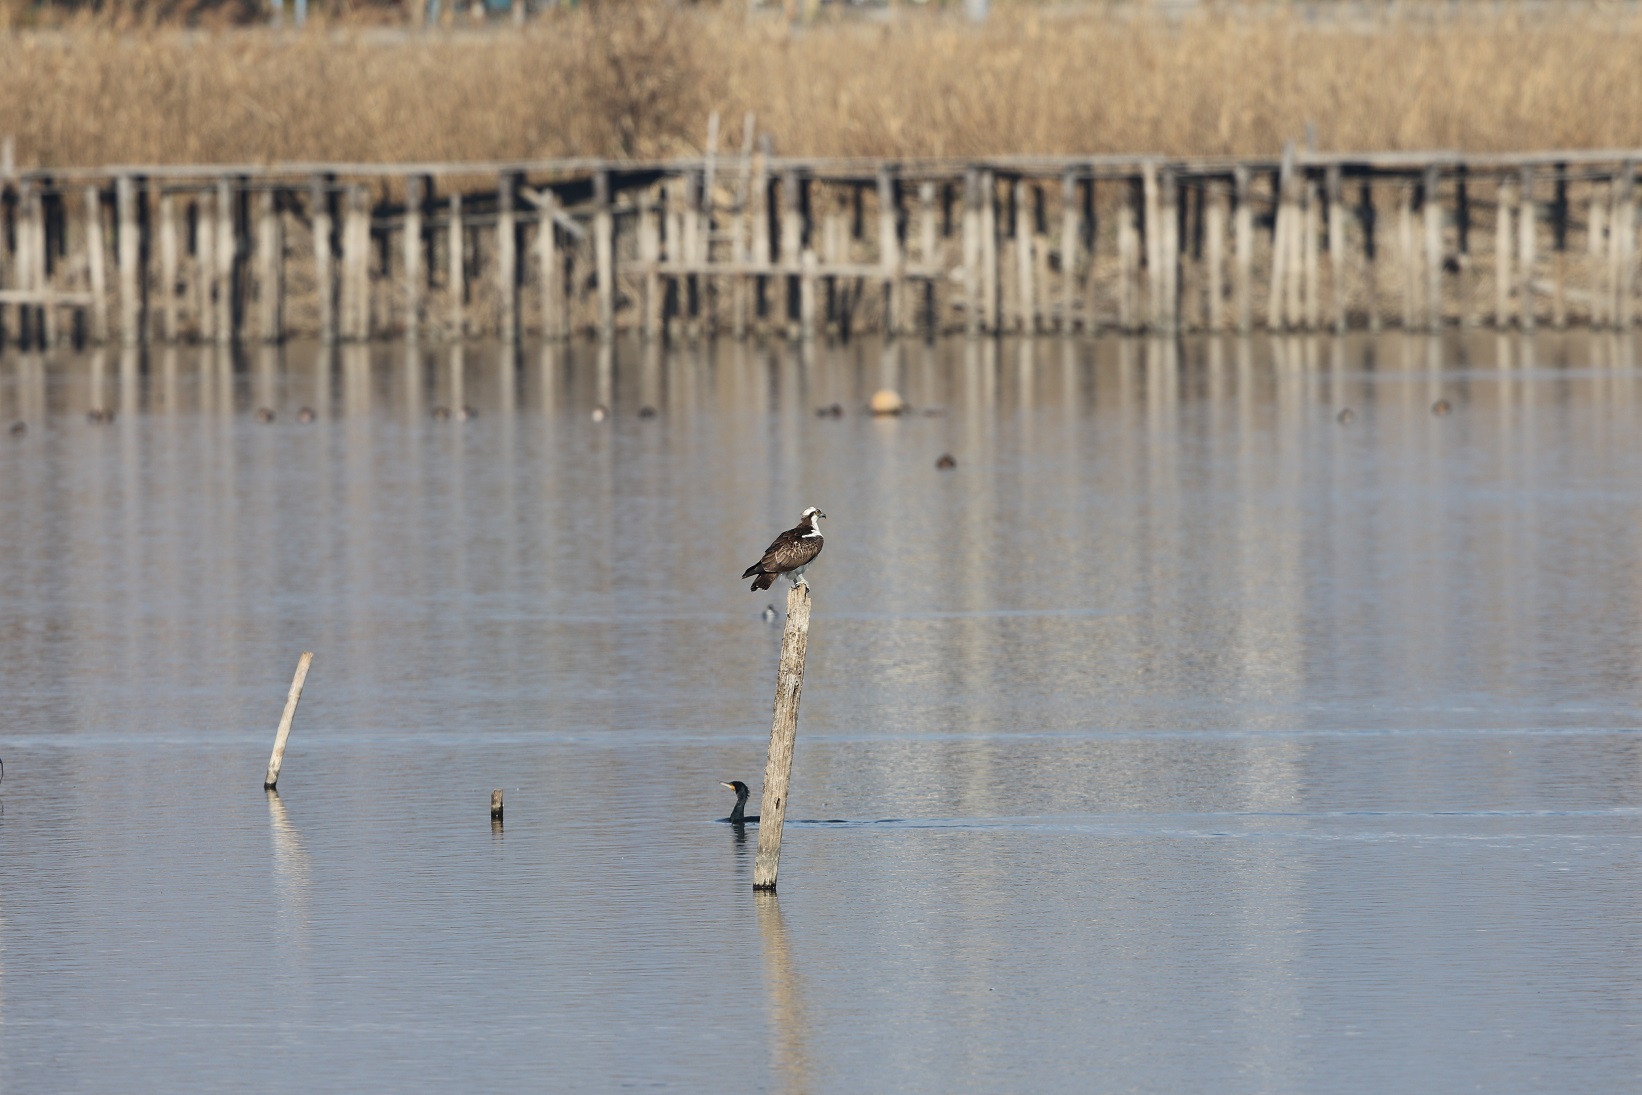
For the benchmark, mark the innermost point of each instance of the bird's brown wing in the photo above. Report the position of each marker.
(791, 550)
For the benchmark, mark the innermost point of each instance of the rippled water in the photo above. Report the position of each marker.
(1185, 738)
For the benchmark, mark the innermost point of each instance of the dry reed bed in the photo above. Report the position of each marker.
(640, 80)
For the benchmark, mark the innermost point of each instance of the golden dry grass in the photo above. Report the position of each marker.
(640, 80)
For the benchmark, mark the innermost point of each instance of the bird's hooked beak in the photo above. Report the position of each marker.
(819, 515)
(726, 786)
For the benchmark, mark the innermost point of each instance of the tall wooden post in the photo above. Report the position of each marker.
(356, 240)
(94, 264)
(270, 267)
(930, 259)
(1025, 292)
(649, 260)
(792, 236)
(1433, 251)
(1243, 243)
(1128, 256)
(783, 735)
(456, 266)
(1069, 216)
(507, 256)
(168, 267)
(125, 211)
(1405, 248)
(1214, 233)
(319, 213)
(415, 195)
(889, 251)
(227, 256)
(1336, 248)
(1504, 206)
(604, 253)
(989, 252)
(972, 252)
(1280, 231)
(1625, 225)
(1526, 227)
(1153, 231)
(551, 265)
(1311, 259)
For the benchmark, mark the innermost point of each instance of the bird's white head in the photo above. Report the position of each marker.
(812, 515)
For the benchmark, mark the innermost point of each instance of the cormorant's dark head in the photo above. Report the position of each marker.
(738, 787)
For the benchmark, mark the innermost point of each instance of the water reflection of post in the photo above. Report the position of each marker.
(412, 379)
(291, 876)
(606, 380)
(457, 380)
(99, 380)
(790, 1051)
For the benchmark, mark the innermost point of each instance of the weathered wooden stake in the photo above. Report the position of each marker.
(1336, 249)
(604, 253)
(496, 803)
(1312, 259)
(1504, 205)
(1243, 242)
(1128, 256)
(783, 734)
(889, 252)
(319, 213)
(507, 257)
(125, 210)
(1527, 224)
(1433, 251)
(415, 194)
(989, 252)
(1026, 304)
(456, 266)
(94, 264)
(284, 732)
(1069, 222)
(227, 254)
(270, 264)
(168, 267)
(972, 252)
(551, 265)
(1214, 236)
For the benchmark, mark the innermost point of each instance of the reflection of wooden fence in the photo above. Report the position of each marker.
(808, 247)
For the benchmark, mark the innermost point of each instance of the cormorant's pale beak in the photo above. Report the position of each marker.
(726, 786)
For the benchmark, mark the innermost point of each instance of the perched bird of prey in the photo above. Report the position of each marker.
(790, 554)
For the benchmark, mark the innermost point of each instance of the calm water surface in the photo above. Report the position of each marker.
(1184, 738)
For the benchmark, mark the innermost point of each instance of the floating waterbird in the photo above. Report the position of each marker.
(769, 614)
(306, 414)
(18, 429)
(888, 401)
(1345, 417)
(738, 816)
(1440, 408)
(600, 413)
(833, 411)
(264, 414)
(647, 412)
(947, 462)
(97, 416)
(441, 414)
(790, 553)
(465, 413)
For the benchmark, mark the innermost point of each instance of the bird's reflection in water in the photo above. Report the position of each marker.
(790, 1050)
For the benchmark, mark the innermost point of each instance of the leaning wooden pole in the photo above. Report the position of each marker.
(783, 733)
(284, 732)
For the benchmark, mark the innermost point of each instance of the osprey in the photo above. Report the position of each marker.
(790, 554)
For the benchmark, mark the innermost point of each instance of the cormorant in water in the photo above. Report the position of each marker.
(738, 816)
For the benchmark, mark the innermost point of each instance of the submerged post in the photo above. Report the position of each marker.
(783, 733)
(284, 732)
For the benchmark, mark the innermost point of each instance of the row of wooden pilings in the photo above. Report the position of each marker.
(801, 248)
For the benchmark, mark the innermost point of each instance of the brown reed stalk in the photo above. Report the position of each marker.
(638, 79)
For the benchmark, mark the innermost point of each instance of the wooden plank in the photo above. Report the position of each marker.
(319, 215)
(205, 264)
(1128, 257)
(1597, 255)
(792, 236)
(1311, 256)
(1168, 250)
(1368, 215)
(650, 262)
(1405, 252)
(1280, 230)
(1626, 222)
(783, 738)
(1152, 237)
(930, 257)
